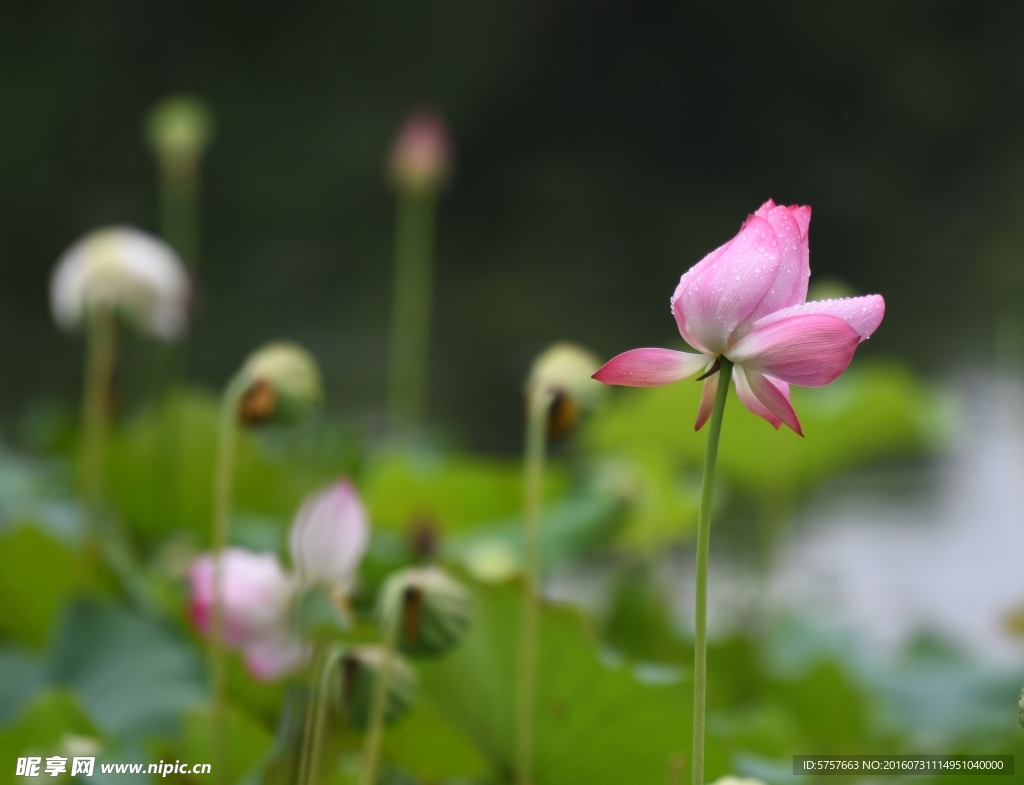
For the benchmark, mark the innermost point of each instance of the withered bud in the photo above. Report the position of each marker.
(359, 669)
(429, 610)
(564, 371)
(281, 383)
(178, 130)
(421, 156)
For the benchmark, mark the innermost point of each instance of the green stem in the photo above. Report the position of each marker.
(222, 491)
(411, 309)
(707, 492)
(538, 407)
(179, 213)
(95, 404)
(316, 735)
(375, 734)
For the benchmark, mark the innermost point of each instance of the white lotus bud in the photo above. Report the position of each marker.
(429, 610)
(178, 129)
(329, 537)
(125, 269)
(566, 370)
(281, 383)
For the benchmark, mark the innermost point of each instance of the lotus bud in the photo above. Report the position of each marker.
(281, 384)
(421, 156)
(565, 370)
(329, 537)
(122, 268)
(428, 610)
(360, 668)
(275, 655)
(178, 130)
(257, 595)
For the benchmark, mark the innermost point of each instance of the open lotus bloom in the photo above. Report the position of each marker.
(257, 598)
(329, 536)
(125, 269)
(746, 302)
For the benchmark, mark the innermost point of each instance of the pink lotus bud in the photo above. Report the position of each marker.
(256, 594)
(329, 536)
(276, 655)
(421, 157)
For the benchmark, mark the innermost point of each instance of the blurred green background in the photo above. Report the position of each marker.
(602, 148)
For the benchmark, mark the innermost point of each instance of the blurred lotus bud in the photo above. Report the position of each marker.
(1020, 708)
(178, 130)
(421, 156)
(275, 655)
(360, 668)
(281, 383)
(257, 595)
(492, 560)
(329, 537)
(565, 370)
(122, 268)
(429, 610)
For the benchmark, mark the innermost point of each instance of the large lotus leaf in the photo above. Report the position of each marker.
(248, 742)
(160, 467)
(407, 490)
(20, 677)
(52, 724)
(596, 723)
(877, 410)
(37, 575)
(132, 673)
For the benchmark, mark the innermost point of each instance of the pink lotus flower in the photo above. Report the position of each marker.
(329, 536)
(745, 301)
(257, 601)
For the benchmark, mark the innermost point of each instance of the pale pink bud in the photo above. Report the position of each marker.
(421, 157)
(329, 536)
(275, 655)
(257, 595)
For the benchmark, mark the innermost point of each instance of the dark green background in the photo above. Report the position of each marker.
(602, 149)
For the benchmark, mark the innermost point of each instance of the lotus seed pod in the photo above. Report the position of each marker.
(421, 156)
(281, 384)
(429, 610)
(130, 271)
(360, 667)
(178, 130)
(565, 369)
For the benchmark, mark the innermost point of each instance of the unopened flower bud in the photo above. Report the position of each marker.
(329, 536)
(122, 268)
(281, 384)
(359, 669)
(429, 611)
(565, 370)
(178, 129)
(421, 157)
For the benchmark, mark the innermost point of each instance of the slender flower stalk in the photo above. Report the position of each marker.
(316, 714)
(539, 404)
(227, 437)
(700, 645)
(378, 708)
(419, 167)
(96, 403)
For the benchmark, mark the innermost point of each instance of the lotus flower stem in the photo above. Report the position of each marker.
(538, 407)
(95, 403)
(700, 646)
(378, 709)
(179, 214)
(411, 308)
(222, 490)
(316, 715)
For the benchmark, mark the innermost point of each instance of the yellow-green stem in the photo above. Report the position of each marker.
(179, 213)
(538, 407)
(96, 405)
(222, 491)
(412, 301)
(378, 710)
(329, 663)
(707, 493)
